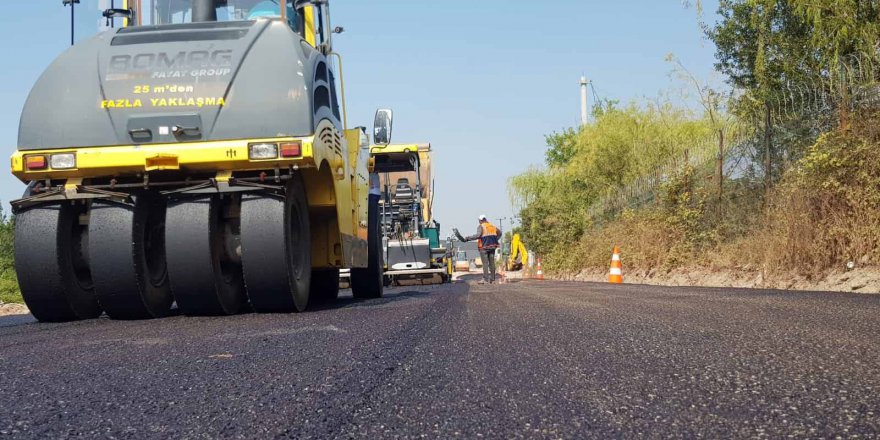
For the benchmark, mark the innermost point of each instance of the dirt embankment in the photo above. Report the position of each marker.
(861, 280)
(7, 309)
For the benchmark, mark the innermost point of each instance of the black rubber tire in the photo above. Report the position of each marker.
(324, 286)
(368, 282)
(276, 251)
(127, 255)
(205, 279)
(52, 264)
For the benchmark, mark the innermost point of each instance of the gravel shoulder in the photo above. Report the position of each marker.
(860, 280)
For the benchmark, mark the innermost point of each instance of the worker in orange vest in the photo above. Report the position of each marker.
(489, 240)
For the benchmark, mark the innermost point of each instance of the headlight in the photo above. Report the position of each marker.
(62, 161)
(263, 151)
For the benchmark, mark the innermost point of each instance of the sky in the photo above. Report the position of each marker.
(482, 81)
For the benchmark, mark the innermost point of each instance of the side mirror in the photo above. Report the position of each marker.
(382, 126)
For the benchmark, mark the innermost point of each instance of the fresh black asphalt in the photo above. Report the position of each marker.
(525, 360)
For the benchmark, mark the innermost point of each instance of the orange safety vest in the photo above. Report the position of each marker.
(489, 239)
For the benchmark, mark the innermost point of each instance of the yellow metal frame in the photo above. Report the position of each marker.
(337, 202)
(197, 156)
(401, 148)
(310, 28)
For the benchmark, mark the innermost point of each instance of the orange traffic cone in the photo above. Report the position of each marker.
(540, 273)
(615, 276)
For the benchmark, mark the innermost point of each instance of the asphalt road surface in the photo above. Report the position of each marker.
(525, 360)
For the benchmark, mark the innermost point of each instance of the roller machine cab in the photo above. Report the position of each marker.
(197, 156)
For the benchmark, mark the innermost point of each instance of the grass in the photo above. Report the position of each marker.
(9, 292)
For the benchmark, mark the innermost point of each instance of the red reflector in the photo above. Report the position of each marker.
(36, 162)
(293, 149)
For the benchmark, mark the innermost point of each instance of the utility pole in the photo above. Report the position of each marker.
(501, 226)
(584, 84)
(72, 4)
(501, 220)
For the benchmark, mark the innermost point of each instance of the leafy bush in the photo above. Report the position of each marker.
(620, 146)
(8, 284)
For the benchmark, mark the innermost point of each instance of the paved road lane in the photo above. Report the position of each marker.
(531, 360)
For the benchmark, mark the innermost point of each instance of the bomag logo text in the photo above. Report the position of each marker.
(171, 61)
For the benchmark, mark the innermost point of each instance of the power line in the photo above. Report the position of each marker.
(598, 99)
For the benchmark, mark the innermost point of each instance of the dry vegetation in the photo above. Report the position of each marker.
(824, 214)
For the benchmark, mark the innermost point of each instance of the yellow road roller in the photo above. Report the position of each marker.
(197, 156)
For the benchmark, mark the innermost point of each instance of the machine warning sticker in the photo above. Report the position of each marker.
(168, 79)
(162, 96)
(163, 102)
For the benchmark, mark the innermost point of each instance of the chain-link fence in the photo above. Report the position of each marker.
(646, 189)
(775, 133)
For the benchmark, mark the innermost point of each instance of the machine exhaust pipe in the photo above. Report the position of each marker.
(204, 10)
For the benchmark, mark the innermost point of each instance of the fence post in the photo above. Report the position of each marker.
(687, 163)
(768, 161)
(720, 169)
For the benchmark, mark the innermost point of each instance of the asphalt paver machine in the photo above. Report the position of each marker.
(413, 249)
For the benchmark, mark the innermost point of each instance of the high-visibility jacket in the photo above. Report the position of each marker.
(489, 236)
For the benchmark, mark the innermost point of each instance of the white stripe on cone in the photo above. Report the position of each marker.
(615, 257)
(616, 271)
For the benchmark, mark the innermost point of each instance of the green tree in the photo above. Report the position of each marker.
(790, 53)
(842, 28)
(761, 45)
(766, 50)
(561, 147)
